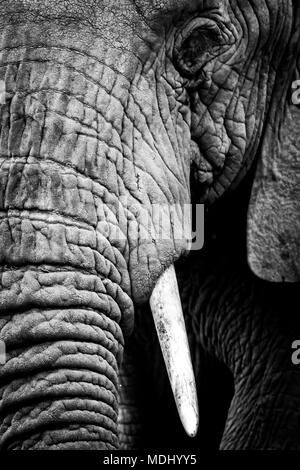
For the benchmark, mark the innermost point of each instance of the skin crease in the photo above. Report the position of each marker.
(147, 104)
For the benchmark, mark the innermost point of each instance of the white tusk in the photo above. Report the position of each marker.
(169, 322)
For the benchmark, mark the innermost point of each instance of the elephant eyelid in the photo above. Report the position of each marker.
(198, 40)
(203, 39)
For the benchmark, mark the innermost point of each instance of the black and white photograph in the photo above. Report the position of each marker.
(149, 228)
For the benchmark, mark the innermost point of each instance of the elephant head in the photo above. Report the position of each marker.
(110, 109)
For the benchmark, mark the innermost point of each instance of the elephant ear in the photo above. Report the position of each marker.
(274, 211)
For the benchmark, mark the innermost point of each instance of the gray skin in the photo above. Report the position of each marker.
(163, 103)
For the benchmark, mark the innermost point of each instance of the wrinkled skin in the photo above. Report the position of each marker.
(109, 109)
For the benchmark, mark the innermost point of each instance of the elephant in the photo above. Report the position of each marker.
(109, 111)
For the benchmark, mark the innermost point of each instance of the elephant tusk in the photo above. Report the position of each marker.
(169, 322)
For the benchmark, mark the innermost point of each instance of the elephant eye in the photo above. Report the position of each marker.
(196, 44)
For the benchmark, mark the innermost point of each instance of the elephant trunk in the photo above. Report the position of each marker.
(59, 384)
(74, 249)
(65, 292)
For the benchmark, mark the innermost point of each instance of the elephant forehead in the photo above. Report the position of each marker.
(147, 7)
(142, 6)
(130, 15)
(79, 9)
